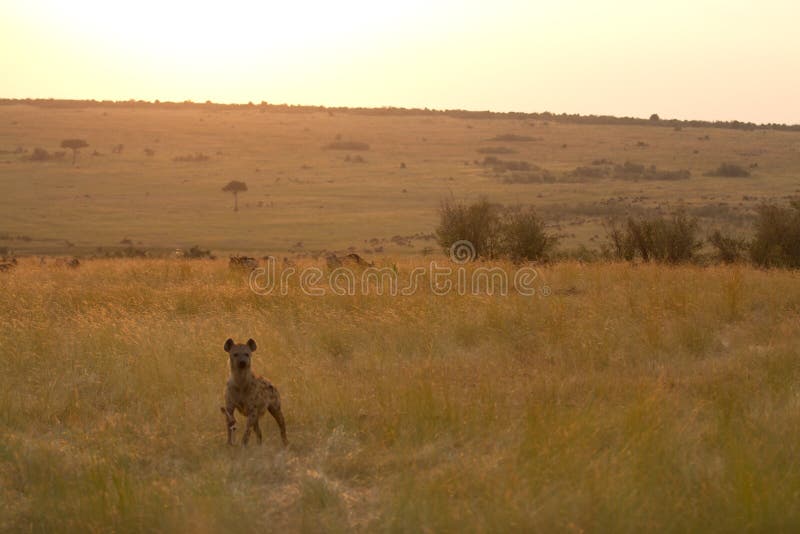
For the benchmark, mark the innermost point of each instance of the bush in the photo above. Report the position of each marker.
(40, 154)
(637, 171)
(346, 145)
(664, 240)
(197, 253)
(535, 176)
(477, 223)
(517, 172)
(594, 171)
(196, 157)
(513, 138)
(730, 170)
(728, 249)
(496, 150)
(777, 236)
(499, 165)
(523, 236)
(494, 231)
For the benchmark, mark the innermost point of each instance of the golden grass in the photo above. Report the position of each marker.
(631, 399)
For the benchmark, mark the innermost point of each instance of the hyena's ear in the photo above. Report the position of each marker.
(228, 345)
(252, 344)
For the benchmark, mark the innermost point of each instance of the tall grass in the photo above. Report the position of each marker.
(631, 398)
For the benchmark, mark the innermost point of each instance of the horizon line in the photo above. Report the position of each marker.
(425, 110)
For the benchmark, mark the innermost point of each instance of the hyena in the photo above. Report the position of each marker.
(250, 394)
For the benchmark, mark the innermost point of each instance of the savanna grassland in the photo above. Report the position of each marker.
(303, 199)
(620, 397)
(629, 399)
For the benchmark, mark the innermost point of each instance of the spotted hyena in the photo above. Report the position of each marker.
(250, 394)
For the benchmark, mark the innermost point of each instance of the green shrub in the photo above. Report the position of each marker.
(536, 175)
(346, 145)
(197, 253)
(663, 240)
(637, 171)
(728, 249)
(496, 150)
(514, 138)
(517, 233)
(777, 236)
(477, 223)
(523, 235)
(196, 157)
(730, 170)
(499, 165)
(40, 154)
(595, 171)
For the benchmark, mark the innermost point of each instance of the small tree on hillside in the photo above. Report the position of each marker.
(235, 187)
(74, 145)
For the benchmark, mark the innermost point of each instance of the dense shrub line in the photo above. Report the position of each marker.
(546, 116)
(520, 234)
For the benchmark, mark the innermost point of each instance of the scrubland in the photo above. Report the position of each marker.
(322, 181)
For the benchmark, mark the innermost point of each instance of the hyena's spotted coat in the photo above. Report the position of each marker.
(250, 394)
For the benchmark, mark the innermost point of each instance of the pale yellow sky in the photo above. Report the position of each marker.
(704, 59)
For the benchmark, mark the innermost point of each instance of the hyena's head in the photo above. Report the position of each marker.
(240, 354)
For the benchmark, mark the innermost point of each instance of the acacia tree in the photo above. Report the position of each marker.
(235, 187)
(74, 145)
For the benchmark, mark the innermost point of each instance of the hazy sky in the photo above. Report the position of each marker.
(685, 59)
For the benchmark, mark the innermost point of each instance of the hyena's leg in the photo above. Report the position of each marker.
(230, 422)
(252, 420)
(275, 410)
(257, 430)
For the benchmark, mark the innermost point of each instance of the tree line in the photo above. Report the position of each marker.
(545, 116)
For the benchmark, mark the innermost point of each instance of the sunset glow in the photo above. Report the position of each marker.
(708, 60)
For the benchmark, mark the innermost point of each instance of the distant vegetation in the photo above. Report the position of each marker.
(40, 154)
(197, 253)
(627, 171)
(636, 171)
(499, 165)
(346, 145)
(235, 187)
(730, 170)
(196, 157)
(158, 180)
(75, 145)
(543, 116)
(496, 150)
(513, 138)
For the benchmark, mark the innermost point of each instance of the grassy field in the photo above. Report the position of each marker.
(619, 397)
(629, 399)
(304, 199)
